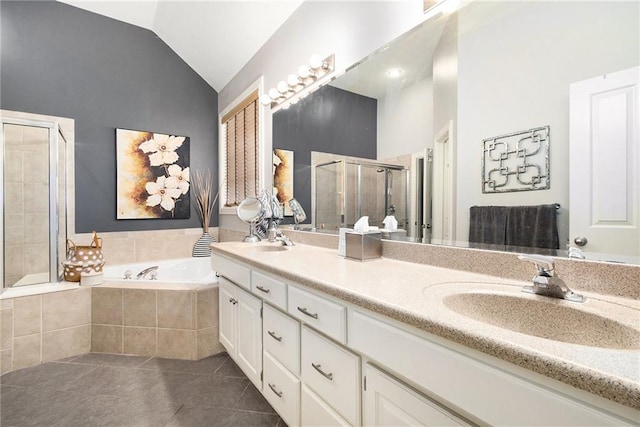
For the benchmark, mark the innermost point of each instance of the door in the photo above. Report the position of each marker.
(604, 166)
(227, 306)
(444, 206)
(249, 336)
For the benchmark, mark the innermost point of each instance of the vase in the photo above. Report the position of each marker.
(201, 248)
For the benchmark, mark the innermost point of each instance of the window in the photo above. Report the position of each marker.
(240, 133)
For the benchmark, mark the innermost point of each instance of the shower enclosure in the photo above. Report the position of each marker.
(346, 190)
(33, 186)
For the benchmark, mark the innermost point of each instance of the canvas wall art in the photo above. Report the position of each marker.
(283, 177)
(152, 175)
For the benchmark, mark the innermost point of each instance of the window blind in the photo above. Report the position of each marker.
(240, 127)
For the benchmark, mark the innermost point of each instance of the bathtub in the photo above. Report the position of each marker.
(173, 274)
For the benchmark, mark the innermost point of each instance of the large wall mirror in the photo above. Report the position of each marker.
(489, 70)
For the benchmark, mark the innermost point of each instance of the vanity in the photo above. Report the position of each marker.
(332, 341)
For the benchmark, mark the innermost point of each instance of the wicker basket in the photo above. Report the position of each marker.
(87, 259)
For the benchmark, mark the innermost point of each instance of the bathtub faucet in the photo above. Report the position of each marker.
(148, 271)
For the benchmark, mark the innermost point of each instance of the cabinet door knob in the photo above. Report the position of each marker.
(318, 368)
(273, 389)
(304, 310)
(265, 290)
(274, 336)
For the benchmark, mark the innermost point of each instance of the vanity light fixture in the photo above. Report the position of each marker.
(295, 87)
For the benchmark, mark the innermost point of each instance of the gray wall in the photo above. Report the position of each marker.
(316, 123)
(63, 61)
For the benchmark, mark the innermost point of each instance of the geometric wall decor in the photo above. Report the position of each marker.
(517, 161)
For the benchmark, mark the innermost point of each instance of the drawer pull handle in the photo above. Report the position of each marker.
(304, 310)
(318, 368)
(265, 290)
(273, 389)
(233, 301)
(274, 336)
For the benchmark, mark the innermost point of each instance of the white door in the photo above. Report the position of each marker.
(249, 333)
(604, 166)
(390, 403)
(443, 212)
(227, 316)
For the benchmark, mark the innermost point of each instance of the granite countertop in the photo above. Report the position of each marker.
(414, 294)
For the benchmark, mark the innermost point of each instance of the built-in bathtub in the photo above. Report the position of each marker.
(178, 274)
(174, 316)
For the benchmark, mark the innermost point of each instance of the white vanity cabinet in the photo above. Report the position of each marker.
(388, 402)
(241, 328)
(327, 362)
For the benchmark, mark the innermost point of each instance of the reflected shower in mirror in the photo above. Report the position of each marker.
(492, 68)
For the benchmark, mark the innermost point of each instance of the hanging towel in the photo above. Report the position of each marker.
(488, 225)
(532, 226)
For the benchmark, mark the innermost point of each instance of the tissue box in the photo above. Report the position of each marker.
(363, 246)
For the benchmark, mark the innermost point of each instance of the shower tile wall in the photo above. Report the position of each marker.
(26, 181)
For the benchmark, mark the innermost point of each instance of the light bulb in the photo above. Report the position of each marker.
(315, 61)
(293, 80)
(265, 99)
(304, 71)
(274, 94)
(283, 87)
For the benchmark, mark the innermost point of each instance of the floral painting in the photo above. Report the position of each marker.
(152, 176)
(283, 177)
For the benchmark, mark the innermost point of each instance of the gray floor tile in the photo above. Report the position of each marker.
(37, 406)
(205, 366)
(252, 400)
(68, 359)
(53, 374)
(201, 416)
(115, 381)
(105, 359)
(120, 411)
(5, 389)
(230, 369)
(206, 390)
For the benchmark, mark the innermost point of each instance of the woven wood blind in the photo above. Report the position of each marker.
(241, 138)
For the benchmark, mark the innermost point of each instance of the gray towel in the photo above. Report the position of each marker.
(532, 226)
(487, 225)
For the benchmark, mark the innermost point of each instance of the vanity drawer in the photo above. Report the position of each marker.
(282, 390)
(332, 372)
(269, 289)
(324, 315)
(315, 411)
(281, 338)
(237, 273)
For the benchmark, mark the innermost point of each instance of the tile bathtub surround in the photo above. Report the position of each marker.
(40, 328)
(586, 276)
(142, 246)
(107, 389)
(167, 323)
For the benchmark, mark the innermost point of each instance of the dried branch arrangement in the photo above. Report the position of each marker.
(202, 183)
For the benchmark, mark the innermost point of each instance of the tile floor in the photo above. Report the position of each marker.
(98, 389)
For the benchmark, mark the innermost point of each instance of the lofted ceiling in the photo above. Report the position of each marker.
(215, 37)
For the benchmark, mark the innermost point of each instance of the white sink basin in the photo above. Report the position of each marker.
(590, 323)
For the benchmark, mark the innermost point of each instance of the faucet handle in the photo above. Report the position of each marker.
(544, 264)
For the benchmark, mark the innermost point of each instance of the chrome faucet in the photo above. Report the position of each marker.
(546, 282)
(279, 236)
(573, 252)
(148, 271)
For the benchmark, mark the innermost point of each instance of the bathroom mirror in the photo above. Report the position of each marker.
(490, 69)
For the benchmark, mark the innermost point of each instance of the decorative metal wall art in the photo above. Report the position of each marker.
(522, 155)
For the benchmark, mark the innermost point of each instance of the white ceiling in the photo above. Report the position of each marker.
(215, 37)
(412, 53)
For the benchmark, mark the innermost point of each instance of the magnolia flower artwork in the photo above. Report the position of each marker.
(153, 175)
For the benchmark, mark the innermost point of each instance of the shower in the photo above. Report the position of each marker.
(346, 190)
(37, 164)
